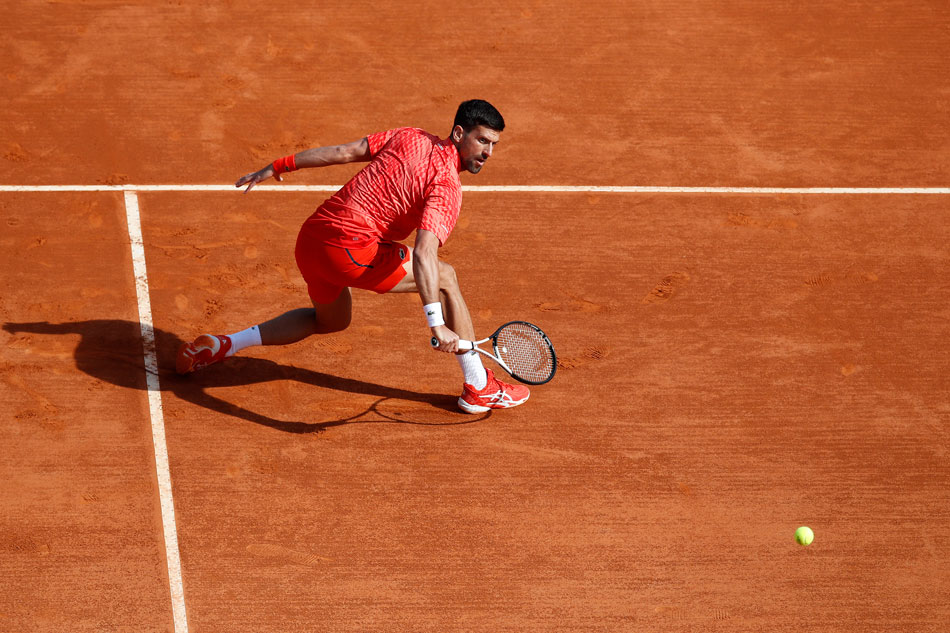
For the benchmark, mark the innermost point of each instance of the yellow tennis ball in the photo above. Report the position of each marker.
(804, 535)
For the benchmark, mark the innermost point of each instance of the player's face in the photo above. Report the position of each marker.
(475, 146)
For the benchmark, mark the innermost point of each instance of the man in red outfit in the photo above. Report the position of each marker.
(352, 241)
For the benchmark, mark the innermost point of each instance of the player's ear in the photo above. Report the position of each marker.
(457, 133)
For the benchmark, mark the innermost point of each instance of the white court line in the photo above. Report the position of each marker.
(157, 415)
(510, 189)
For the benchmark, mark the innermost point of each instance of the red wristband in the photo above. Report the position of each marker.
(285, 164)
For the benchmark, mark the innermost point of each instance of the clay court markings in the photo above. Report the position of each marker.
(917, 191)
(169, 528)
(148, 335)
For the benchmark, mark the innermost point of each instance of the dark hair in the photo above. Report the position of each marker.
(477, 112)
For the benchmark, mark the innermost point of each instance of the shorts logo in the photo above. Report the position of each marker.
(402, 253)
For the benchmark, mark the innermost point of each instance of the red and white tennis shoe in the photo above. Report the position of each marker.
(495, 395)
(205, 350)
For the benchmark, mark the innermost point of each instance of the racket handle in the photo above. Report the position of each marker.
(463, 344)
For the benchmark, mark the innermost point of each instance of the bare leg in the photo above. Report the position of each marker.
(458, 319)
(296, 325)
(457, 316)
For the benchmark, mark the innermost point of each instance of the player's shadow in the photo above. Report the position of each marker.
(111, 350)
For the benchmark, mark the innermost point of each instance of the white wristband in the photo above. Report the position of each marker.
(434, 314)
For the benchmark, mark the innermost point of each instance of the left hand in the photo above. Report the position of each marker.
(257, 177)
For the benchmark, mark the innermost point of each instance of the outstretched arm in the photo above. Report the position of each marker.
(357, 151)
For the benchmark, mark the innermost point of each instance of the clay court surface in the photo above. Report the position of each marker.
(732, 364)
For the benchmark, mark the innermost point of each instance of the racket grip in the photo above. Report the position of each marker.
(463, 344)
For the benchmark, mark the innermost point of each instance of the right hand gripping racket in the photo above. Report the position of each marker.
(521, 349)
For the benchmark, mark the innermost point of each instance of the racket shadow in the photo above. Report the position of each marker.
(110, 350)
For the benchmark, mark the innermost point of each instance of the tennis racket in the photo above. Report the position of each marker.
(521, 349)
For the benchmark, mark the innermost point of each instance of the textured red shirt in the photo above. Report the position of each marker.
(412, 182)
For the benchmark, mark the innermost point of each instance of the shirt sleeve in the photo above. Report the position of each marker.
(378, 140)
(441, 210)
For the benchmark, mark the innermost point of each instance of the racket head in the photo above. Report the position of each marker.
(525, 351)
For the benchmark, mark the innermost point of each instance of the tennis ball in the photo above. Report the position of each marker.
(804, 535)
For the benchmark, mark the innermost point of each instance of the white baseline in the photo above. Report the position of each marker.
(508, 189)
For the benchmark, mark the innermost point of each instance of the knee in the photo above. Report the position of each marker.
(327, 324)
(448, 280)
(333, 318)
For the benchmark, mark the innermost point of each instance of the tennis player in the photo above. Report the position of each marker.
(353, 241)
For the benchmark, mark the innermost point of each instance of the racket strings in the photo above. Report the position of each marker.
(526, 351)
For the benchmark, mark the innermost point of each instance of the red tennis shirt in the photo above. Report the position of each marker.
(412, 182)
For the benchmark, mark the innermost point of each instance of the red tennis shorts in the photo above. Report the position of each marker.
(328, 269)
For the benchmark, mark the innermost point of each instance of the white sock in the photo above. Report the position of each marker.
(473, 369)
(244, 338)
